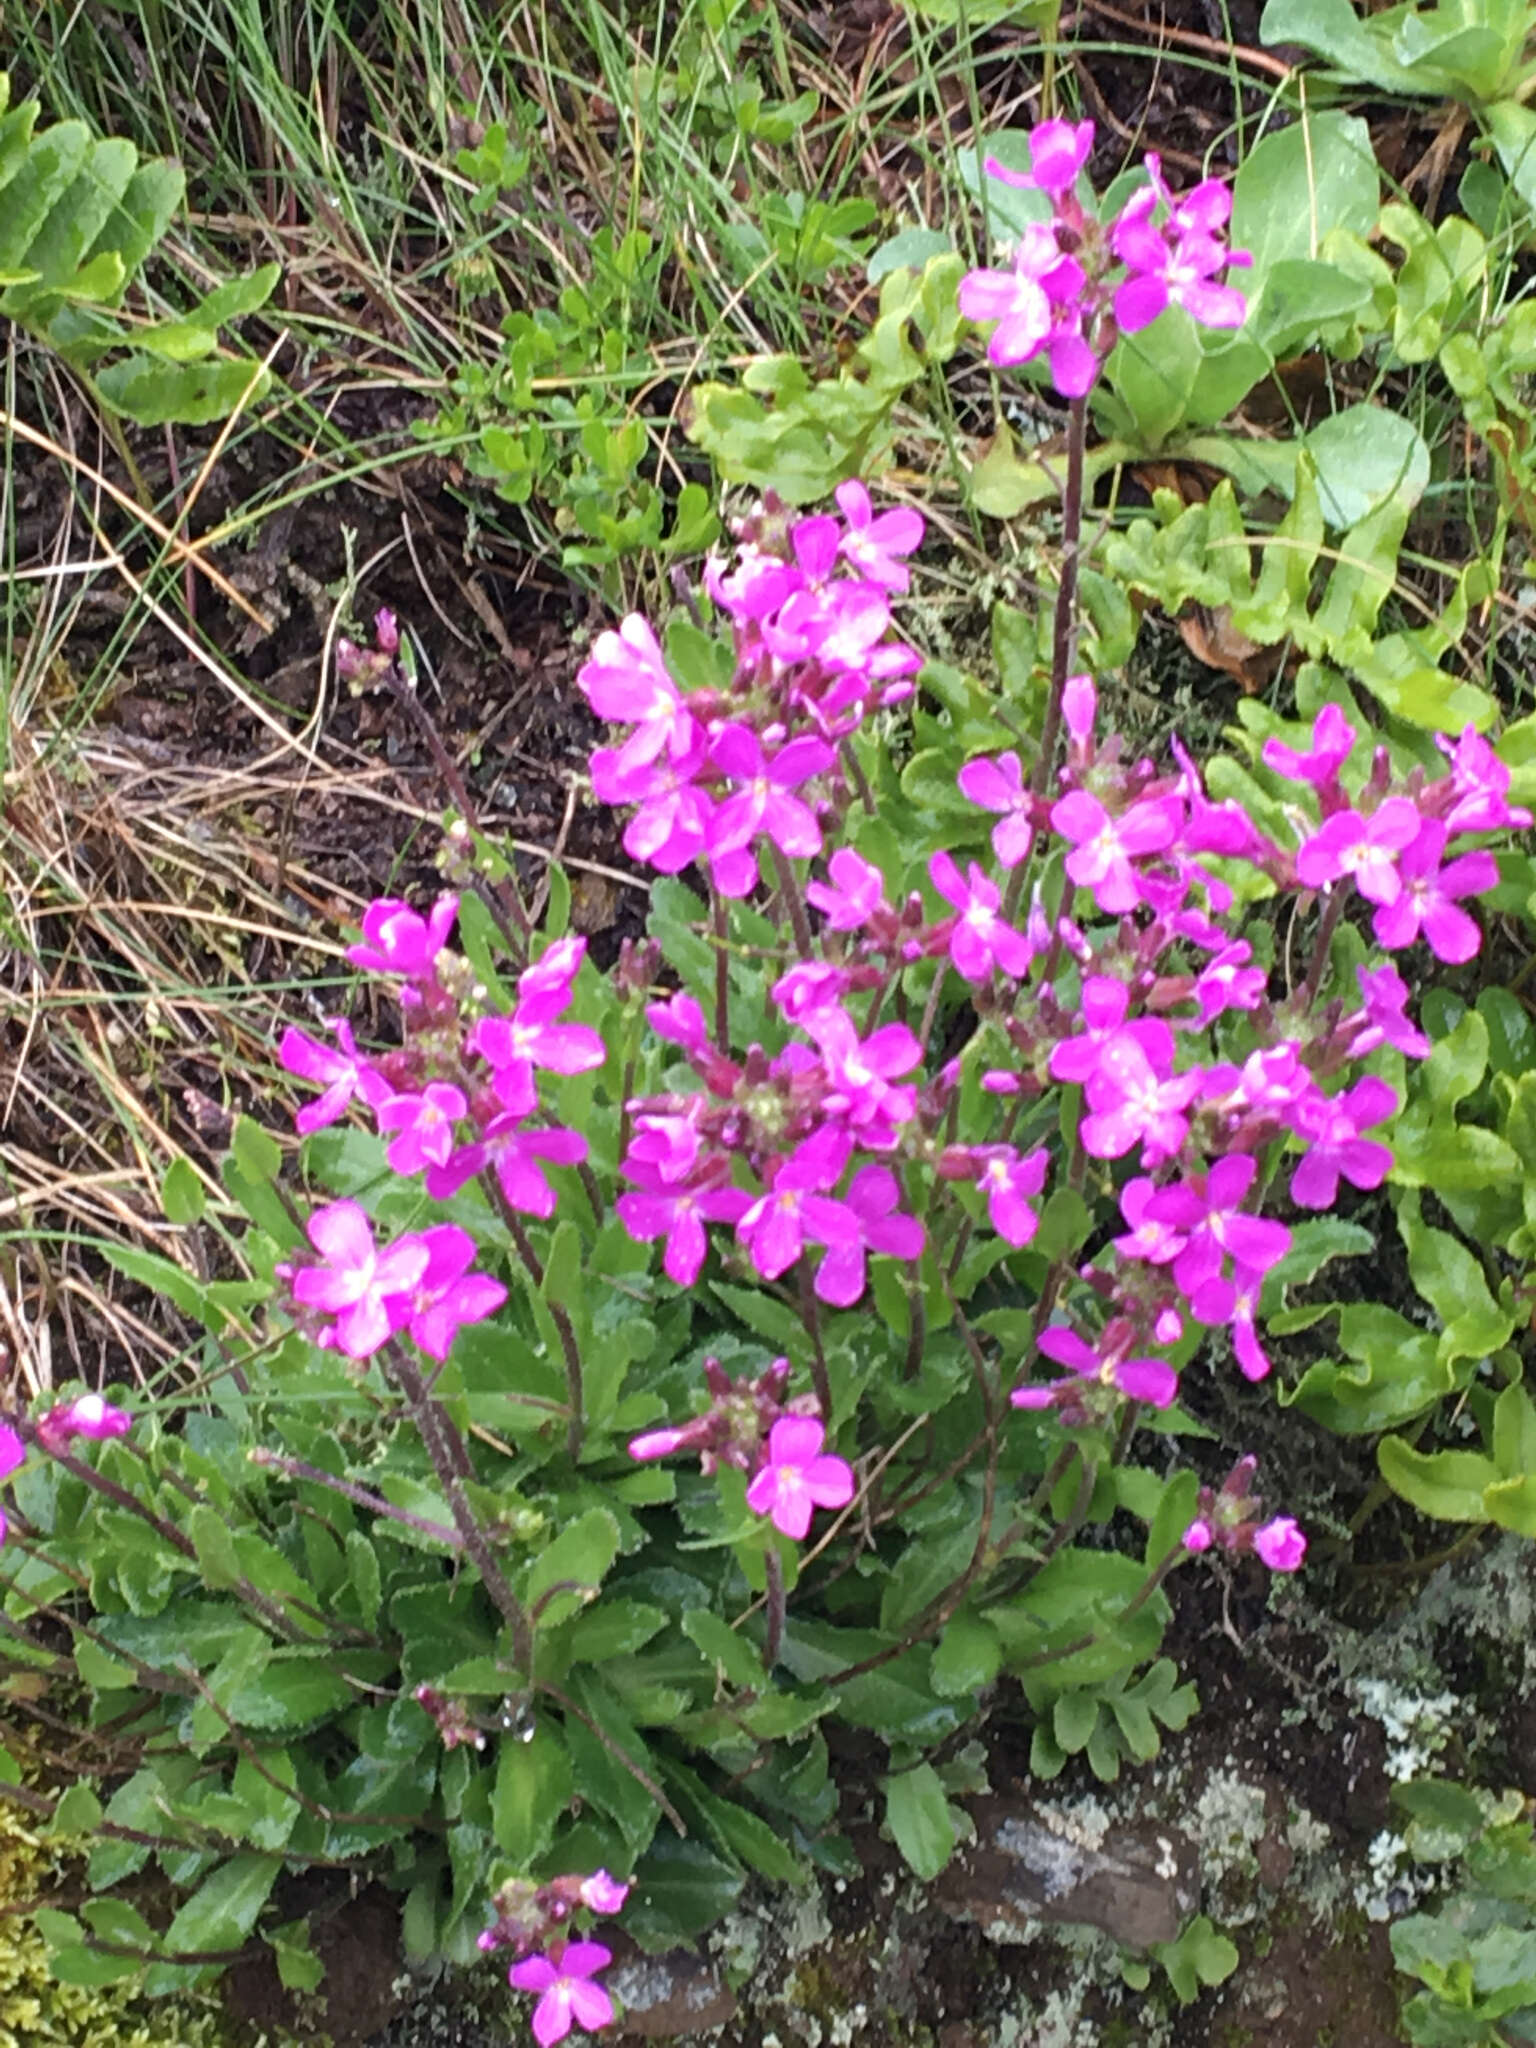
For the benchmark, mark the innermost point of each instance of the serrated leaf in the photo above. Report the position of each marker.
(535, 1783)
(154, 393)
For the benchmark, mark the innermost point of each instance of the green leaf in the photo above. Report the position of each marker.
(291, 1691)
(535, 1783)
(736, 1654)
(45, 174)
(254, 1150)
(1299, 183)
(681, 1889)
(222, 1911)
(363, 1572)
(1367, 456)
(1073, 1720)
(909, 250)
(183, 1197)
(918, 1814)
(966, 1657)
(154, 393)
(214, 1541)
(78, 1812)
(602, 1754)
(579, 1556)
(1449, 1485)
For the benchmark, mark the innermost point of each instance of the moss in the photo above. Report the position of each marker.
(37, 2011)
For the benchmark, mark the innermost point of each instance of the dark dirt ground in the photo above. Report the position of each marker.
(502, 642)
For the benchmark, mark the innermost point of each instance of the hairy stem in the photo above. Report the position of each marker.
(439, 1436)
(1064, 626)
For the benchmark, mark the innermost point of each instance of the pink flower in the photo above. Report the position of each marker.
(668, 831)
(677, 1210)
(12, 1454)
(626, 681)
(1009, 1181)
(1480, 783)
(980, 940)
(1329, 1126)
(764, 806)
(397, 941)
(1017, 302)
(1138, 1379)
(860, 1073)
(448, 1295)
(1104, 847)
(341, 1074)
(998, 785)
(873, 1196)
(1150, 1237)
(1384, 1021)
(1130, 1104)
(567, 1995)
(798, 1477)
(1057, 152)
(425, 1124)
(88, 1415)
(796, 1206)
(1208, 1210)
(1228, 983)
(876, 544)
(518, 1155)
(601, 1893)
(855, 894)
(1428, 897)
(1280, 1544)
(1177, 260)
(1364, 848)
(1236, 1303)
(1332, 739)
(366, 1290)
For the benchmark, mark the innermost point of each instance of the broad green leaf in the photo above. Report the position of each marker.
(579, 1558)
(1366, 456)
(966, 1657)
(222, 1911)
(1449, 1485)
(681, 1888)
(155, 394)
(535, 1783)
(918, 1814)
(45, 174)
(1299, 183)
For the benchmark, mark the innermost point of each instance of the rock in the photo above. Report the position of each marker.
(665, 1995)
(1034, 1861)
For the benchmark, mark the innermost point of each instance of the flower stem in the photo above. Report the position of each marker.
(516, 926)
(1064, 627)
(773, 1566)
(794, 903)
(438, 1435)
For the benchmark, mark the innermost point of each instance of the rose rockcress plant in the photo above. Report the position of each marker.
(785, 1328)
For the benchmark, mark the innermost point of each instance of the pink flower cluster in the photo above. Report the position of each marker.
(808, 1148)
(1076, 283)
(87, 1415)
(458, 1098)
(530, 1916)
(1229, 1519)
(357, 1296)
(719, 776)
